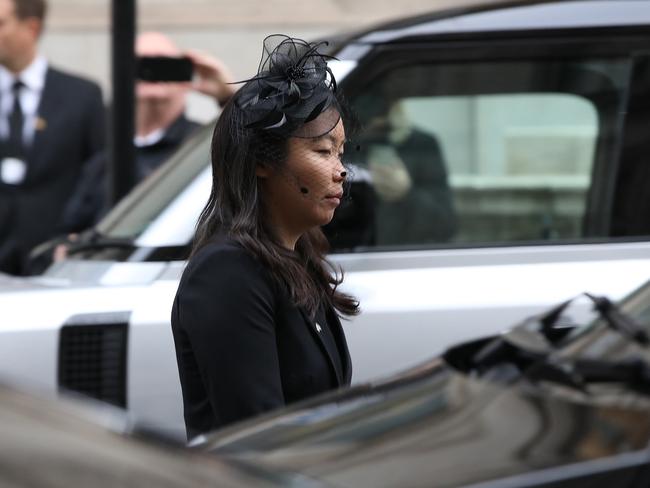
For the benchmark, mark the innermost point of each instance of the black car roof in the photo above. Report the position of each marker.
(511, 15)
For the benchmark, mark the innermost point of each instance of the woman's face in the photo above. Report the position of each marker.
(304, 191)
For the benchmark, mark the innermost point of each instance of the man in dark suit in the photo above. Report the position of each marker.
(161, 126)
(50, 124)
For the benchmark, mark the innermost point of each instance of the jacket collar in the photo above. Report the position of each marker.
(343, 376)
(337, 329)
(173, 134)
(33, 76)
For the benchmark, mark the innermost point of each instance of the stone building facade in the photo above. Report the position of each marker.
(77, 33)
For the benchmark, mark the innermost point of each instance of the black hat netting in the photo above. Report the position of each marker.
(293, 86)
(294, 118)
(314, 167)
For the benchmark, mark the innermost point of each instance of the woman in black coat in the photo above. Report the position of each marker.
(256, 316)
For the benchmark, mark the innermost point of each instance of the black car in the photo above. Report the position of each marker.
(70, 443)
(550, 403)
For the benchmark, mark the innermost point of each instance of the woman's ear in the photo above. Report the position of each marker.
(262, 170)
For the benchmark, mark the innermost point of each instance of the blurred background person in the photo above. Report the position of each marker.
(161, 127)
(409, 175)
(398, 193)
(160, 124)
(51, 123)
(407, 171)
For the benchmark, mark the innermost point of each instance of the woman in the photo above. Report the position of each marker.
(255, 318)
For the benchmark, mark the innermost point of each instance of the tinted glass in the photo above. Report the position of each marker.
(473, 153)
(149, 201)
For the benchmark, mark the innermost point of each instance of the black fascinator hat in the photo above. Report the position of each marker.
(292, 88)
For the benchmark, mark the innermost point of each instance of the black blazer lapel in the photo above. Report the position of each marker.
(46, 110)
(312, 325)
(337, 330)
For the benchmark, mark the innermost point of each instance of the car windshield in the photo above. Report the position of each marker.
(185, 176)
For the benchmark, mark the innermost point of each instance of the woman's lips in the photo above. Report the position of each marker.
(334, 198)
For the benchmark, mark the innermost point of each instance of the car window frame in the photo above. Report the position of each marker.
(548, 45)
(633, 167)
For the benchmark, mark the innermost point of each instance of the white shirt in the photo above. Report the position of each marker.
(150, 139)
(33, 77)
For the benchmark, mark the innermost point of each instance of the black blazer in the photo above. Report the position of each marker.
(242, 347)
(73, 130)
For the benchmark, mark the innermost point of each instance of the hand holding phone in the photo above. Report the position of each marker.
(212, 77)
(390, 177)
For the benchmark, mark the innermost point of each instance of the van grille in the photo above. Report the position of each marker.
(92, 360)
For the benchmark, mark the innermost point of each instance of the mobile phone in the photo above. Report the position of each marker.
(164, 68)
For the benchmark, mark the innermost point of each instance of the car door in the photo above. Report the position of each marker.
(492, 175)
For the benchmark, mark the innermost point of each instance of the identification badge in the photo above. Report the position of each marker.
(12, 171)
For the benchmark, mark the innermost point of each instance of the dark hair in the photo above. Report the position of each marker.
(30, 8)
(234, 209)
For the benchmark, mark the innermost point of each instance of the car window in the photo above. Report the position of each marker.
(481, 153)
(141, 212)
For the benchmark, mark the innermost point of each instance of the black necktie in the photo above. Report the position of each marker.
(16, 122)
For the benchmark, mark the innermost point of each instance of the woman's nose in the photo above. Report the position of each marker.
(340, 172)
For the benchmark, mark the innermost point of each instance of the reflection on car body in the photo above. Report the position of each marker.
(56, 443)
(453, 421)
(477, 419)
(539, 112)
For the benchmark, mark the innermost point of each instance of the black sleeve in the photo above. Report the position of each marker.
(226, 311)
(95, 116)
(429, 205)
(90, 197)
